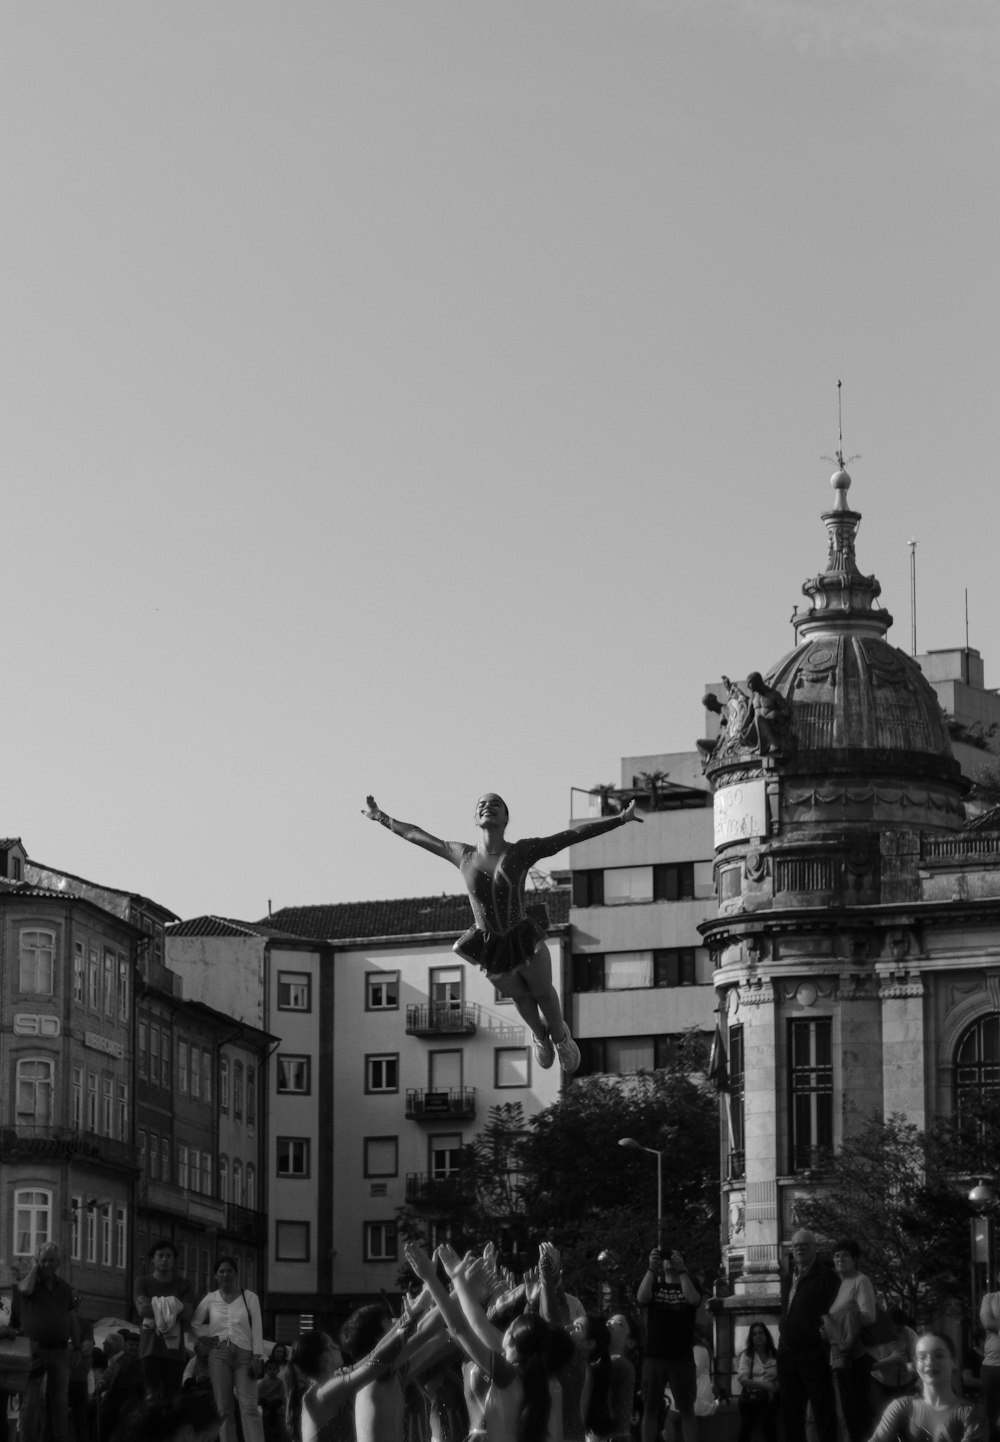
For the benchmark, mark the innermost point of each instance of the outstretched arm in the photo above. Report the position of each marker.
(550, 845)
(407, 830)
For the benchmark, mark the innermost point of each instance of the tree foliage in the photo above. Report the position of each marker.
(900, 1192)
(561, 1176)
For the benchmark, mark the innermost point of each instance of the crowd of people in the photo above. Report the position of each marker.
(480, 1355)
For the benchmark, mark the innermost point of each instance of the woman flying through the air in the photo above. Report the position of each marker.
(507, 943)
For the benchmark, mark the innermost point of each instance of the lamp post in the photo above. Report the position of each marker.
(653, 1152)
(982, 1200)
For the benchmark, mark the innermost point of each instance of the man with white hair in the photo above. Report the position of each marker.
(804, 1375)
(44, 1311)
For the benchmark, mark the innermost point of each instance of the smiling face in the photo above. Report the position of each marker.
(844, 1264)
(491, 810)
(934, 1360)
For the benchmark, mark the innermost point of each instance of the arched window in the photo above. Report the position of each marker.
(34, 1091)
(32, 1221)
(977, 1066)
(250, 1199)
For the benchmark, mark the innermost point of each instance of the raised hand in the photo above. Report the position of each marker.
(419, 1262)
(371, 808)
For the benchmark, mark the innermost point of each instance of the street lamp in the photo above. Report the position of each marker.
(637, 1146)
(982, 1200)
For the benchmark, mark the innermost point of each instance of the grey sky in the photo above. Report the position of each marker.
(428, 398)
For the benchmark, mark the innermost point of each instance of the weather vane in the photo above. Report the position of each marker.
(838, 459)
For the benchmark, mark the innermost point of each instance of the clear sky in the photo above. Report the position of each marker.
(428, 396)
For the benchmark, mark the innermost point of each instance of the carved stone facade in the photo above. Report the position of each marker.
(857, 941)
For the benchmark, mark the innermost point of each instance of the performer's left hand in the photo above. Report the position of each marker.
(630, 813)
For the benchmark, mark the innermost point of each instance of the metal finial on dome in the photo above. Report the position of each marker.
(840, 480)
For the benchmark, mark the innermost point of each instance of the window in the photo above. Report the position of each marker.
(223, 1179)
(91, 1231)
(976, 1074)
(154, 1054)
(165, 1059)
(107, 1106)
(382, 991)
(294, 991)
(79, 972)
(154, 1155)
(32, 1221)
(446, 988)
(624, 1055)
(182, 1166)
(106, 1235)
(238, 1090)
(182, 1066)
(224, 1084)
(588, 888)
(293, 1074)
(674, 882)
(291, 1241)
(737, 1154)
(676, 967)
(75, 1227)
(382, 1073)
(251, 1096)
(444, 1158)
(380, 1242)
(512, 1066)
(93, 980)
(628, 970)
(810, 1086)
(250, 1191)
(143, 1140)
(206, 1075)
(238, 1182)
(293, 1156)
(110, 971)
(143, 1043)
(34, 1090)
(623, 884)
(123, 989)
(121, 1238)
(195, 1072)
(91, 1102)
(37, 962)
(381, 1156)
(77, 1097)
(206, 1173)
(122, 1109)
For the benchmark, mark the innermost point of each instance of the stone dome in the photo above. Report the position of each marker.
(850, 691)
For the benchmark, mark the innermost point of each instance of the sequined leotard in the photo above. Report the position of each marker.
(505, 935)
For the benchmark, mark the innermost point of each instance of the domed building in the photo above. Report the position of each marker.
(857, 939)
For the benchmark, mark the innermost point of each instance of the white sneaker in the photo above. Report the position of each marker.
(568, 1053)
(545, 1052)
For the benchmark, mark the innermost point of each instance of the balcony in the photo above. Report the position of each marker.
(28, 1141)
(246, 1224)
(206, 1212)
(442, 1019)
(436, 1192)
(424, 1105)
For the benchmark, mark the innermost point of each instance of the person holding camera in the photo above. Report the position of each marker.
(670, 1298)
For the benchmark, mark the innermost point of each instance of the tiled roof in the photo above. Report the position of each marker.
(404, 916)
(223, 926)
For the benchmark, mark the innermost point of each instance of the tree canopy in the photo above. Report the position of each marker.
(561, 1176)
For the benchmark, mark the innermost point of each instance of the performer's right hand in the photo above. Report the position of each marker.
(371, 808)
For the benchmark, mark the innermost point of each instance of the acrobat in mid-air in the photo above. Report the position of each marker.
(507, 943)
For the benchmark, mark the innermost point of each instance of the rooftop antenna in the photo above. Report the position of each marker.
(966, 618)
(838, 459)
(913, 597)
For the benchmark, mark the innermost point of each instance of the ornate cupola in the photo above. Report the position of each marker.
(841, 743)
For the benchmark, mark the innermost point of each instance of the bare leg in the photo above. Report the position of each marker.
(538, 975)
(512, 984)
